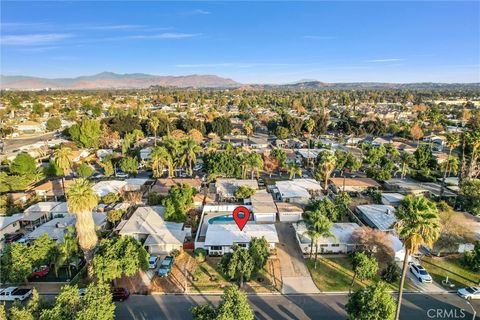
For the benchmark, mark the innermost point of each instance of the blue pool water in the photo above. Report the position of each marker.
(221, 219)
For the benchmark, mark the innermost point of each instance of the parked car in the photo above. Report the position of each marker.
(120, 294)
(40, 272)
(469, 293)
(121, 174)
(14, 294)
(152, 262)
(12, 237)
(165, 266)
(420, 273)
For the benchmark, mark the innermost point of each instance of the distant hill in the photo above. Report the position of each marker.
(110, 80)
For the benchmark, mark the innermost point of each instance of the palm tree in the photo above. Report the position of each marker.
(318, 225)
(407, 160)
(81, 201)
(248, 127)
(62, 159)
(255, 163)
(161, 159)
(190, 150)
(309, 125)
(452, 141)
(173, 147)
(417, 224)
(326, 164)
(66, 251)
(153, 125)
(294, 169)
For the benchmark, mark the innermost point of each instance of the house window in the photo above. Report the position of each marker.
(323, 245)
(335, 245)
(216, 248)
(243, 245)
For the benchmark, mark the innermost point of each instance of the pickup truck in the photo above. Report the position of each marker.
(14, 293)
(165, 266)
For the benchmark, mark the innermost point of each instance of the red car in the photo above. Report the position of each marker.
(40, 272)
(120, 294)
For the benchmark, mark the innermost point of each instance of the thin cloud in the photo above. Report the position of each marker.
(114, 27)
(386, 60)
(239, 65)
(33, 39)
(195, 12)
(312, 37)
(165, 35)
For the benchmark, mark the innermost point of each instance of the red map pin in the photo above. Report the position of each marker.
(241, 216)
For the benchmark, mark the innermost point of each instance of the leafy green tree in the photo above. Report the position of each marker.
(86, 134)
(16, 263)
(118, 257)
(471, 259)
(178, 202)
(244, 192)
(371, 303)
(424, 157)
(129, 165)
(417, 224)
(364, 267)
(53, 169)
(470, 195)
(67, 304)
(259, 250)
(107, 166)
(42, 250)
(53, 124)
(234, 305)
(221, 126)
(97, 303)
(115, 215)
(341, 202)
(282, 132)
(84, 170)
(238, 265)
(279, 155)
(23, 164)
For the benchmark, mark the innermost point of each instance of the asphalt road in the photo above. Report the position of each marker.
(321, 306)
(16, 143)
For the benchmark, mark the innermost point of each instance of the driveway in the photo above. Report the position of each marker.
(295, 275)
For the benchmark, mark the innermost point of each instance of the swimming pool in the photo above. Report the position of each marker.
(221, 219)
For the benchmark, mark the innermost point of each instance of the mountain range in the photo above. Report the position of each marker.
(110, 80)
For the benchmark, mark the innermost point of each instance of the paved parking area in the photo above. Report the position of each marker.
(295, 275)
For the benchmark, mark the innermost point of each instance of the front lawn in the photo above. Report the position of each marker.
(207, 277)
(335, 274)
(439, 268)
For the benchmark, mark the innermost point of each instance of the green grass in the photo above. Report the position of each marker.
(440, 268)
(335, 274)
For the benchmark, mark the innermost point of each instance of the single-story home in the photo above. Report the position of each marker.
(147, 224)
(38, 214)
(377, 216)
(289, 212)
(102, 188)
(52, 189)
(352, 184)
(220, 237)
(263, 207)
(30, 127)
(341, 242)
(9, 225)
(417, 188)
(297, 190)
(226, 187)
(162, 186)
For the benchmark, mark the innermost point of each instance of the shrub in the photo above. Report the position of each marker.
(154, 199)
(175, 253)
(200, 254)
(110, 198)
(115, 215)
(391, 273)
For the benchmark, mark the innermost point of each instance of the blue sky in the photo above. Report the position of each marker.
(251, 42)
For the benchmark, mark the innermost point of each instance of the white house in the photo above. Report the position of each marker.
(225, 188)
(160, 236)
(220, 237)
(263, 207)
(341, 242)
(297, 190)
(102, 188)
(30, 127)
(38, 213)
(392, 199)
(8, 225)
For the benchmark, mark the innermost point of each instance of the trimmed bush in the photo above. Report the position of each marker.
(200, 254)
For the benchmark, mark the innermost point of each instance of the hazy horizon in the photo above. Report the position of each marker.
(248, 42)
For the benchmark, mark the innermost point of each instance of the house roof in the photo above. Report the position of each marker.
(5, 221)
(288, 207)
(392, 197)
(149, 220)
(228, 234)
(164, 185)
(53, 187)
(262, 202)
(103, 188)
(379, 216)
(46, 206)
(227, 187)
(355, 182)
(419, 187)
(342, 233)
(297, 188)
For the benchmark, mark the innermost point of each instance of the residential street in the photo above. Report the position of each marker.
(331, 307)
(16, 143)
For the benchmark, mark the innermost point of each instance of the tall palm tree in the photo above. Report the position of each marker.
(161, 159)
(293, 170)
(255, 163)
(153, 125)
(318, 226)
(248, 127)
(417, 224)
(452, 142)
(62, 159)
(326, 164)
(173, 147)
(190, 150)
(81, 201)
(407, 160)
(309, 125)
(66, 251)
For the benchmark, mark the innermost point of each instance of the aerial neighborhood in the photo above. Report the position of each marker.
(133, 192)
